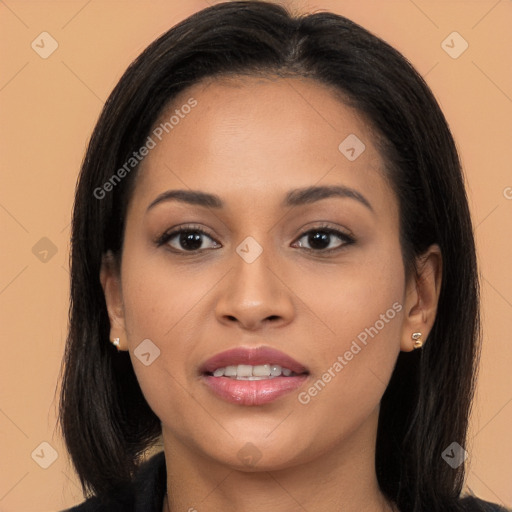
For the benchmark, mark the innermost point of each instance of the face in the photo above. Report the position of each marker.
(298, 251)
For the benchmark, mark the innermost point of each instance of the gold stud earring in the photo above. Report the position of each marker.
(418, 342)
(116, 343)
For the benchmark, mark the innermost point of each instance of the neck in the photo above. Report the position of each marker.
(343, 478)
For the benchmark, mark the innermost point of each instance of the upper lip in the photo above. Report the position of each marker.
(252, 356)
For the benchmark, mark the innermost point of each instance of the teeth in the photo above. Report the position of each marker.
(249, 372)
(275, 370)
(262, 370)
(229, 371)
(244, 370)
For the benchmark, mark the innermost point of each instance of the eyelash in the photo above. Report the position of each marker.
(324, 228)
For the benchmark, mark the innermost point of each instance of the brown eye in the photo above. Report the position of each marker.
(188, 240)
(324, 239)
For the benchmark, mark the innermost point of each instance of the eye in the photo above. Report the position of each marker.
(324, 239)
(191, 239)
(188, 239)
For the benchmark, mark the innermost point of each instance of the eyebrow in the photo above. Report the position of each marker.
(295, 197)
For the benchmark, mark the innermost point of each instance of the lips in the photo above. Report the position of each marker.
(252, 356)
(252, 392)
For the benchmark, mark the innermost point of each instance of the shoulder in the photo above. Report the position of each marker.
(144, 494)
(473, 504)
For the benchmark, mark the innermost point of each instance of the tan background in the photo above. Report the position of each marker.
(48, 109)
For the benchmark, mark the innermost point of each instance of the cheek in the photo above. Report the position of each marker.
(362, 313)
(160, 308)
(158, 295)
(166, 305)
(360, 293)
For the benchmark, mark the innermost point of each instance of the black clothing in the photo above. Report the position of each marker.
(147, 493)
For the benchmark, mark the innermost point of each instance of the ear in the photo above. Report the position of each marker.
(422, 295)
(110, 277)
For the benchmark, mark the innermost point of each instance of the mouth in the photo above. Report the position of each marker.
(252, 376)
(256, 372)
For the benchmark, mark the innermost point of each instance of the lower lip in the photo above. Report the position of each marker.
(253, 392)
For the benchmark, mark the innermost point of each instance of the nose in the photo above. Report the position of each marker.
(253, 296)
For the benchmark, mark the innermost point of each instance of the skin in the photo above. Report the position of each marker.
(250, 141)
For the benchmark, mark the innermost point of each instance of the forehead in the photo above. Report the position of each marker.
(260, 135)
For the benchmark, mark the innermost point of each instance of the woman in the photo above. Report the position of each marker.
(271, 229)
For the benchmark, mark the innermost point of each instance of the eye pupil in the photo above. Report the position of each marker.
(190, 240)
(319, 239)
